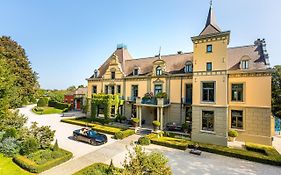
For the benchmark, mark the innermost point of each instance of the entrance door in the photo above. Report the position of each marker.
(78, 107)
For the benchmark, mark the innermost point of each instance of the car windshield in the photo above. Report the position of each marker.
(92, 133)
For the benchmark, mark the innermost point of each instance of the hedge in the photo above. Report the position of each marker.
(123, 134)
(58, 105)
(32, 167)
(169, 142)
(97, 168)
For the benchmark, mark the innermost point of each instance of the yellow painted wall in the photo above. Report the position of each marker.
(142, 87)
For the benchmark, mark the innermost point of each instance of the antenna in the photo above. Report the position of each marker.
(160, 52)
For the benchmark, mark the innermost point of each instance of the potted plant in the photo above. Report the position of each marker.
(156, 125)
(185, 127)
(161, 95)
(232, 134)
(135, 121)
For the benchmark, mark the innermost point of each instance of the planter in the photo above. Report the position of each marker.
(232, 139)
(138, 100)
(160, 101)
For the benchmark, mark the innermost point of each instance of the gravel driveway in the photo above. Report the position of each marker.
(63, 132)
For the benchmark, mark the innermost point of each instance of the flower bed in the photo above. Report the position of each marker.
(42, 160)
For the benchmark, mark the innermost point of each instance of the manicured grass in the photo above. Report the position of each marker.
(47, 110)
(7, 166)
(253, 152)
(42, 160)
(96, 169)
(119, 132)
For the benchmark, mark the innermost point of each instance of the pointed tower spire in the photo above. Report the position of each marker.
(211, 23)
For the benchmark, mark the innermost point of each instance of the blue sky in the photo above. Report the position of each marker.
(67, 39)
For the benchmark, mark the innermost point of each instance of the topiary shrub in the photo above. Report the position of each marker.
(123, 134)
(232, 133)
(144, 141)
(42, 102)
(29, 145)
(135, 121)
(56, 146)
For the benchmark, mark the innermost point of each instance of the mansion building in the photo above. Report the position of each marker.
(214, 89)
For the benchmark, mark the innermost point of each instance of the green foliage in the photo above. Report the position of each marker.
(9, 147)
(10, 133)
(135, 120)
(232, 133)
(42, 160)
(8, 167)
(99, 169)
(156, 123)
(169, 142)
(144, 141)
(124, 134)
(43, 134)
(58, 105)
(161, 95)
(57, 95)
(25, 83)
(139, 162)
(56, 146)
(12, 119)
(276, 91)
(46, 110)
(107, 100)
(29, 145)
(42, 102)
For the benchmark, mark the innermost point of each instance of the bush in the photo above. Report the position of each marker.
(56, 146)
(161, 95)
(10, 133)
(124, 134)
(135, 120)
(99, 169)
(232, 133)
(58, 105)
(144, 141)
(42, 102)
(29, 145)
(256, 148)
(9, 147)
(169, 142)
(156, 123)
(43, 134)
(31, 166)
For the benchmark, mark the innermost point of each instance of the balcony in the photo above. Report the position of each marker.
(131, 99)
(157, 102)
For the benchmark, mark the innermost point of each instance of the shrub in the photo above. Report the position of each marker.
(256, 148)
(99, 169)
(135, 120)
(156, 123)
(124, 134)
(144, 141)
(161, 95)
(169, 142)
(10, 132)
(58, 105)
(29, 145)
(232, 133)
(43, 134)
(9, 147)
(56, 158)
(42, 102)
(56, 146)
(1, 135)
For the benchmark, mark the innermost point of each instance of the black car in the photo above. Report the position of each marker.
(89, 136)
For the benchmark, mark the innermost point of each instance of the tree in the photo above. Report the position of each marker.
(12, 119)
(17, 61)
(43, 134)
(141, 163)
(276, 91)
(81, 86)
(71, 88)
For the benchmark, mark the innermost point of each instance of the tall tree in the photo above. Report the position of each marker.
(276, 91)
(26, 78)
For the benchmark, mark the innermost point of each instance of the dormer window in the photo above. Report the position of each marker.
(96, 73)
(112, 75)
(245, 64)
(136, 71)
(188, 67)
(158, 70)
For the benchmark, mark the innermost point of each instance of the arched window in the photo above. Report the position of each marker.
(136, 71)
(188, 67)
(158, 70)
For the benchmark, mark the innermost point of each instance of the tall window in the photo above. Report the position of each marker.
(112, 88)
(209, 66)
(94, 89)
(209, 48)
(188, 67)
(237, 92)
(112, 75)
(135, 91)
(118, 89)
(96, 73)
(157, 89)
(236, 119)
(208, 120)
(245, 64)
(106, 89)
(136, 71)
(208, 92)
(158, 70)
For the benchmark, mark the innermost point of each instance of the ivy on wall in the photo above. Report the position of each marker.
(105, 100)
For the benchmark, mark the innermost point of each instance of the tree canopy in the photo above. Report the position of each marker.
(276, 91)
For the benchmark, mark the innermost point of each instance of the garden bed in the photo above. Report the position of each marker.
(42, 160)
(252, 152)
(97, 168)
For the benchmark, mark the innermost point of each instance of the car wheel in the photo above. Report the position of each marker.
(92, 142)
(75, 137)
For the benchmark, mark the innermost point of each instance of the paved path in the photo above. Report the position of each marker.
(104, 154)
(277, 143)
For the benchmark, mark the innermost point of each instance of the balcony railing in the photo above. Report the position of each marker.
(132, 99)
(153, 101)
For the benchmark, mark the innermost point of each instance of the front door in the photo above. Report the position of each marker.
(78, 107)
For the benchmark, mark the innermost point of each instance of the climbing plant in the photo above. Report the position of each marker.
(107, 100)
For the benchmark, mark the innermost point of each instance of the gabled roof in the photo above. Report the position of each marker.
(211, 26)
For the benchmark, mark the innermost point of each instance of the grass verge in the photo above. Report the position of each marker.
(7, 166)
(46, 110)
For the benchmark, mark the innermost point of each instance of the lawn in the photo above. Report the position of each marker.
(46, 110)
(7, 166)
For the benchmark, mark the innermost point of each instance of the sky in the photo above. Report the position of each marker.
(66, 40)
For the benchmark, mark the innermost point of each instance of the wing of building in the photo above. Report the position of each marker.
(213, 89)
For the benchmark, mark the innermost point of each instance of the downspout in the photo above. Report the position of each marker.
(181, 102)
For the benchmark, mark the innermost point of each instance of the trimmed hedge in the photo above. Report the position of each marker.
(169, 142)
(144, 141)
(58, 105)
(32, 167)
(98, 169)
(123, 134)
(106, 129)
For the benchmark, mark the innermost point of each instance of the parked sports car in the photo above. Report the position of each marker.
(89, 136)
